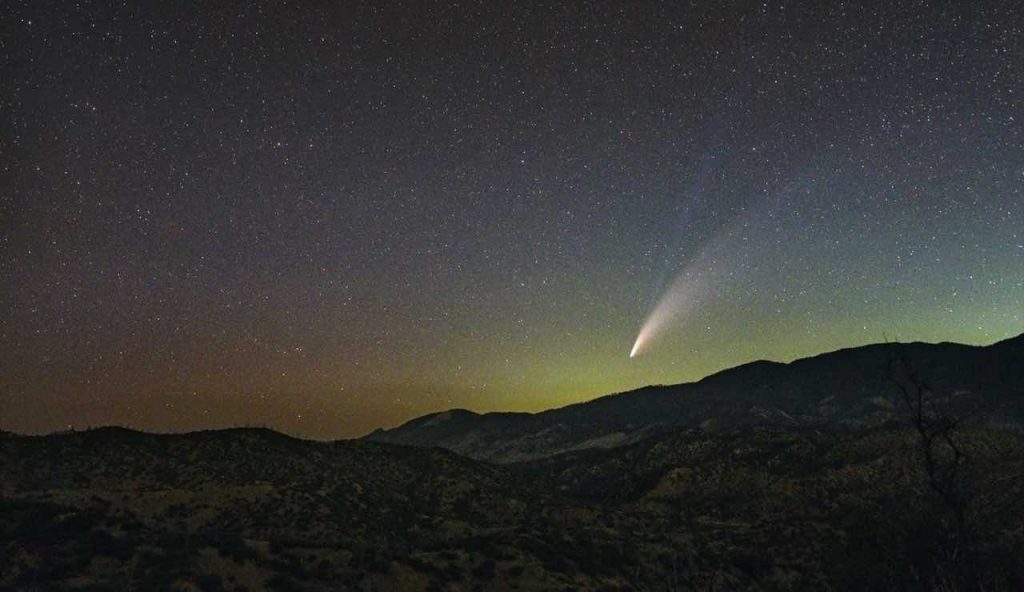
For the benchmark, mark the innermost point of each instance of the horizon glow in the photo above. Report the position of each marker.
(478, 233)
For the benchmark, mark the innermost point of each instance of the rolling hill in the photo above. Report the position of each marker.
(112, 509)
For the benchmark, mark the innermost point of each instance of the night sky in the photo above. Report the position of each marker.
(332, 217)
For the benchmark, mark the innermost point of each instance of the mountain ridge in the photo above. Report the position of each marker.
(847, 387)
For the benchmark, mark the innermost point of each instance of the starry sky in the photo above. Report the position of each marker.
(328, 217)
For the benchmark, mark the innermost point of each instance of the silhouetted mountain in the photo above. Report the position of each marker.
(845, 388)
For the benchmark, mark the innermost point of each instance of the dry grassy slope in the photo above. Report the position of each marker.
(847, 509)
(265, 510)
(687, 509)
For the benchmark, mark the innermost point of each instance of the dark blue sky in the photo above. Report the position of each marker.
(328, 217)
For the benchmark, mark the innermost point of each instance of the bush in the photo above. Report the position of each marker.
(210, 583)
(485, 571)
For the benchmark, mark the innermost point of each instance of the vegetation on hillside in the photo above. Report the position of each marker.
(744, 508)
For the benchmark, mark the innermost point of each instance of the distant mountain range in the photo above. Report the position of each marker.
(849, 388)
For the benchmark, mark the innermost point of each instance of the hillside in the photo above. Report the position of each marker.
(112, 509)
(665, 488)
(848, 388)
(252, 509)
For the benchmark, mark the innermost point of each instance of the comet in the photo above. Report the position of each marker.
(680, 297)
(689, 289)
(710, 272)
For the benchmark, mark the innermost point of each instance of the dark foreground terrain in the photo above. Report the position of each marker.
(759, 508)
(709, 505)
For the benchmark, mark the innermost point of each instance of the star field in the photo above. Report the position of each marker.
(331, 217)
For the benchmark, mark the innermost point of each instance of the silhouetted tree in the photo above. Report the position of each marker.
(945, 464)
